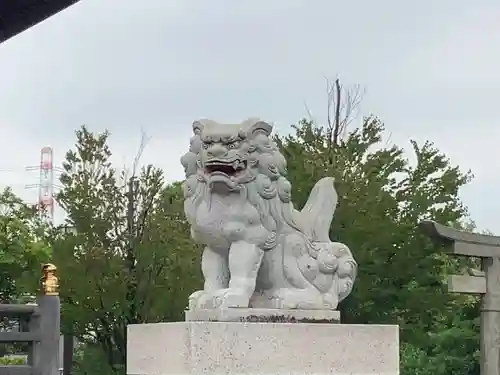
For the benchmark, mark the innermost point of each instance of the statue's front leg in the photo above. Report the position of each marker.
(244, 263)
(215, 269)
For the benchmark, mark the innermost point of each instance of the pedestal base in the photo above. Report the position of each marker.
(199, 348)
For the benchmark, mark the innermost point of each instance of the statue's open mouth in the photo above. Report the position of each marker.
(225, 168)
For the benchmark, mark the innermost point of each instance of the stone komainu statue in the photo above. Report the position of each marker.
(259, 250)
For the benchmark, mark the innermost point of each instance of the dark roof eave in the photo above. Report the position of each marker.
(18, 16)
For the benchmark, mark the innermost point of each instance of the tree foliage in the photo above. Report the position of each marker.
(128, 258)
(383, 196)
(23, 247)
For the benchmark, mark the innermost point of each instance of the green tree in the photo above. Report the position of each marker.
(23, 247)
(128, 258)
(382, 198)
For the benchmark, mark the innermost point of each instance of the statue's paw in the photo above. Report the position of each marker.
(200, 299)
(230, 297)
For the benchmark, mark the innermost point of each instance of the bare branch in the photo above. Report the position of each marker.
(354, 96)
(388, 142)
(309, 113)
(144, 142)
(342, 108)
(338, 104)
(125, 175)
(330, 101)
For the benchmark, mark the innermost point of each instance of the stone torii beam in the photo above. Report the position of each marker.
(485, 283)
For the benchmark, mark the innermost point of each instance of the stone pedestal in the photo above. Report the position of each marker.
(238, 348)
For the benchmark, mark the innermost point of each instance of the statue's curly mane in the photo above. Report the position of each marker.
(269, 191)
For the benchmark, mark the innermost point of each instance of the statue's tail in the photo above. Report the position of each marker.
(317, 214)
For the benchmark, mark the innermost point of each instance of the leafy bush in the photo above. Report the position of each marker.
(5, 361)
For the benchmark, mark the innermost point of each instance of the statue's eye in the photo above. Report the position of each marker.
(231, 145)
(205, 145)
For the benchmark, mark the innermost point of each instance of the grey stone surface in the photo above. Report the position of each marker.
(259, 250)
(263, 315)
(262, 348)
(45, 353)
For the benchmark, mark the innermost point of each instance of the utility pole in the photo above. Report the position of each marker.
(485, 283)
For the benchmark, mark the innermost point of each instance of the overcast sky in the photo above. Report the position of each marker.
(430, 70)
